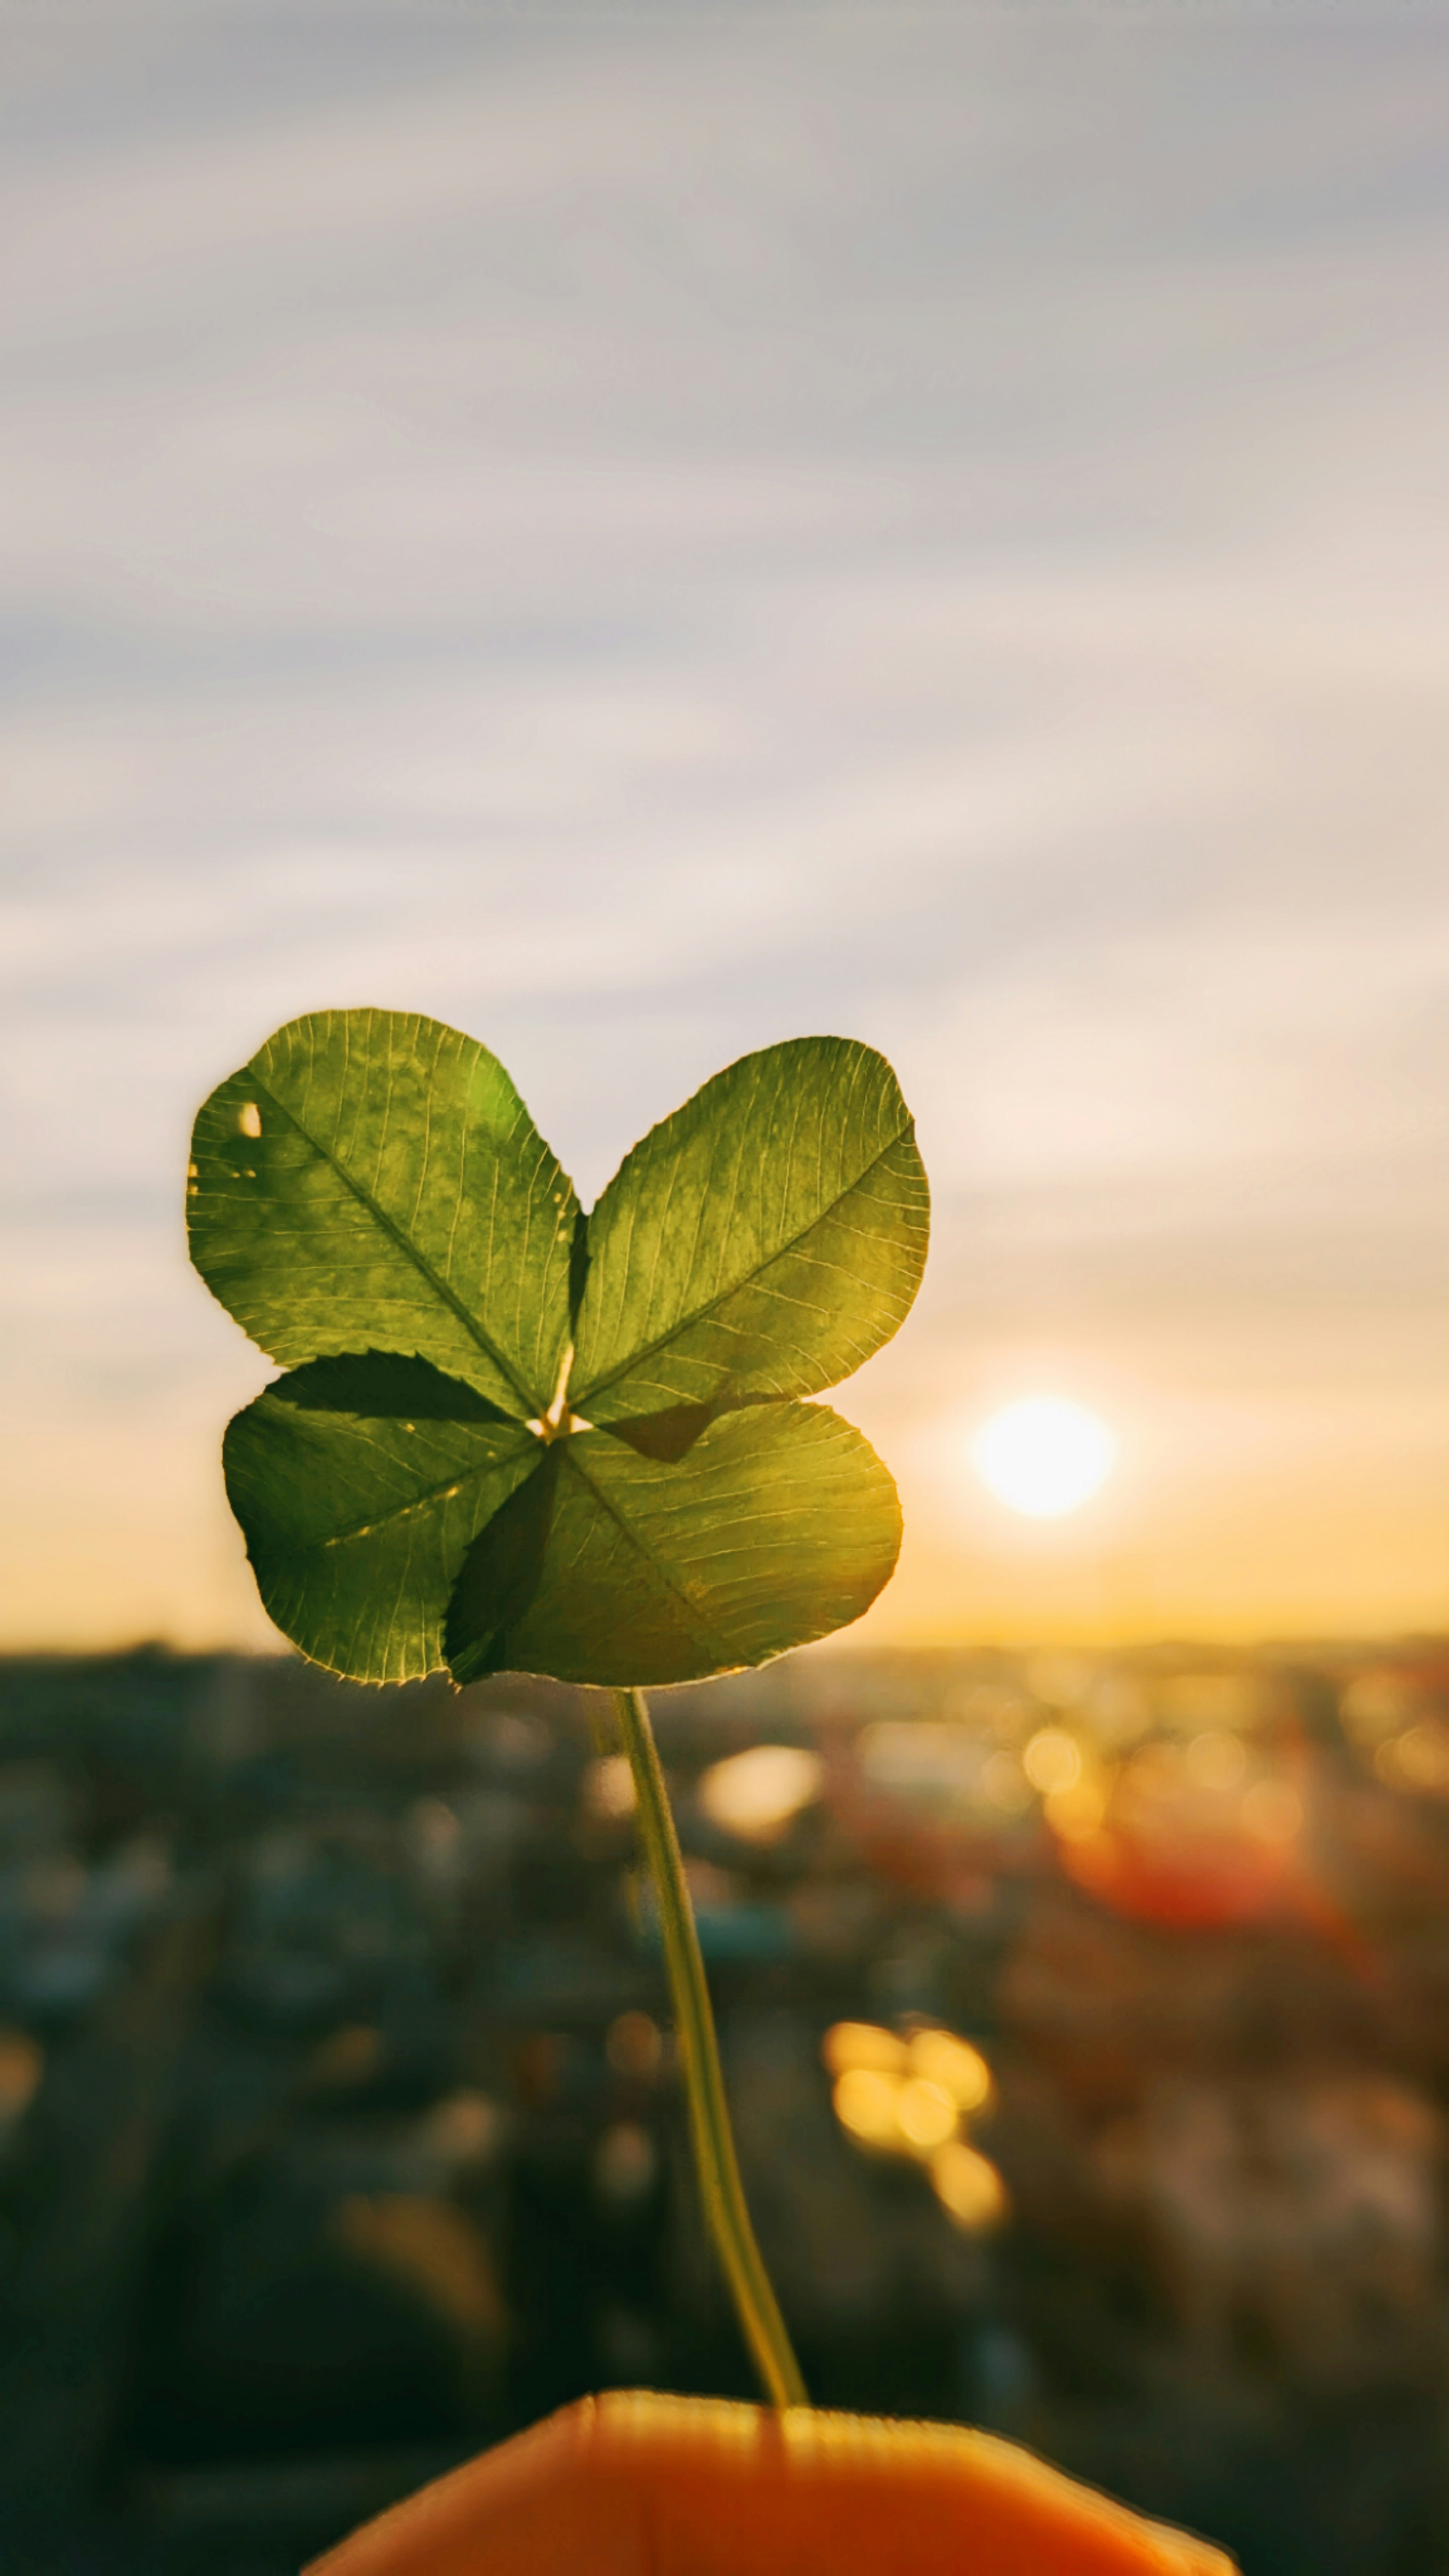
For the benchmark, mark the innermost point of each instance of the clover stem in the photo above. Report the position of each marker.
(714, 2148)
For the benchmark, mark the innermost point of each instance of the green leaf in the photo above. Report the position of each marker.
(358, 1483)
(779, 1525)
(764, 1240)
(372, 1181)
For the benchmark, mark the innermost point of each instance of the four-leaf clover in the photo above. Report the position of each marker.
(513, 1437)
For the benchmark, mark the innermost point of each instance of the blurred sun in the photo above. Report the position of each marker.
(1044, 1455)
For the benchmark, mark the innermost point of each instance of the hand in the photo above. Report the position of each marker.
(642, 2485)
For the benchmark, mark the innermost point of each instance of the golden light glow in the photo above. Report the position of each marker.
(862, 2043)
(904, 2096)
(1376, 1705)
(1076, 1813)
(1044, 1456)
(1052, 1760)
(758, 1793)
(969, 2188)
(865, 2104)
(1418, 1759)
(1216, 1761)
(1273, 1811)
(926, 2116)
(959, 2069)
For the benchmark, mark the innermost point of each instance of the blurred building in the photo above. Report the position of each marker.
(1083, 2022)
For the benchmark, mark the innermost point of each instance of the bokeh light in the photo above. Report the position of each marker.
(904, 2095)
(968, 2187)
(758, 1794)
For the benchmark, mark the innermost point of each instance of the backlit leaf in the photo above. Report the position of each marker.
(372, 1181)
(764, 1240)
(358, 1483)
(779, 1525)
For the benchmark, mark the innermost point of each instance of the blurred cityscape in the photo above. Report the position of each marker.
(1086, 2022)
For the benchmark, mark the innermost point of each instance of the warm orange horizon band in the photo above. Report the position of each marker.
(634, 2484)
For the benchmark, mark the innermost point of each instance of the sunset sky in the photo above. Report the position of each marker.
(643, 533)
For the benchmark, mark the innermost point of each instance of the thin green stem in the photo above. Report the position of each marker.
(709, 2119)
